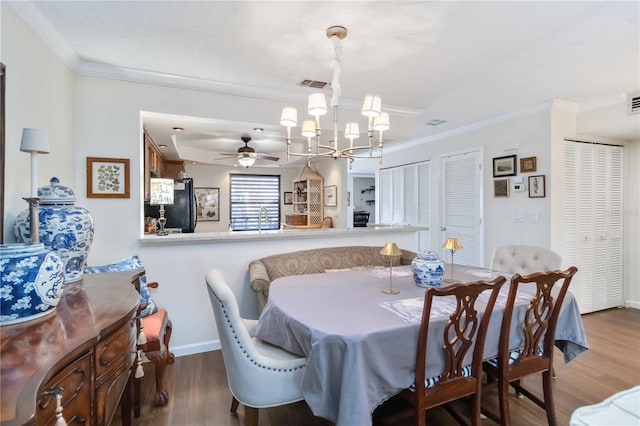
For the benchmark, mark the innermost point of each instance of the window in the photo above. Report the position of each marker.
(249, 194)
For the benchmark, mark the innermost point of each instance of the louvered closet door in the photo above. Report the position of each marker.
(423, 197)
(462, 206)
(592, 219)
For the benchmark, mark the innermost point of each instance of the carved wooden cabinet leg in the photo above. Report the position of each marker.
(167, 336)
(159, 360)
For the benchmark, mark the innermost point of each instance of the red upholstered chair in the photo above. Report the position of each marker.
(153, 341)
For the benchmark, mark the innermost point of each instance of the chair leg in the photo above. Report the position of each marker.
(250, 416)
(234, 405)
(159, 360)
(167, 336)
(503, 397)
(548, 398)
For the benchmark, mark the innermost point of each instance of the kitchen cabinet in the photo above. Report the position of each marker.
(155, 165)
(308, 200)
(84, 349)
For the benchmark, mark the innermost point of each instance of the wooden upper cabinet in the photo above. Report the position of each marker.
(155, 165)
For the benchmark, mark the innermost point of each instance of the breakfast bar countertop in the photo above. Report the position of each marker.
(281, 234)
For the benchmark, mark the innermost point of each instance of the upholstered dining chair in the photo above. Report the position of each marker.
(464, 331)
(259, 375)
(154, 325)
(538, 326)
(524, 259)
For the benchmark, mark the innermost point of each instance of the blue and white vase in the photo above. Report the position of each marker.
(428, 269)
(31, 279)
(65, 228)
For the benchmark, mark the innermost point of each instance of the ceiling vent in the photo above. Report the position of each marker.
(633, 103)
(435, 122)
(314, 84)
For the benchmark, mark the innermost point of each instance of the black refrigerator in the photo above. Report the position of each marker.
(182, 213)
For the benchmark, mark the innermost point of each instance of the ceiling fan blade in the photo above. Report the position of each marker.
(266, 157)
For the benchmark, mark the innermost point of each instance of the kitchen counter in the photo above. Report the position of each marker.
(281, 234)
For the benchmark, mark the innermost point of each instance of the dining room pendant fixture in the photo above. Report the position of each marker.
(377, 120)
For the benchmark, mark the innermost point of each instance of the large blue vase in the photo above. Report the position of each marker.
(428, 269)
(31, 280)
(65, 228)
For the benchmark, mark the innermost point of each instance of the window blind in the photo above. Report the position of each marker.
(249, 194)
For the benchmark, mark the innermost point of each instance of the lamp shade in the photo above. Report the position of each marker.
(390, 249)
(246, 161)
(381, 122)
(452, 244)
(34, 140)
(372, 106)
(308, 128)
(352, 130)
(161, 191)
(289, 117)
(317, 104)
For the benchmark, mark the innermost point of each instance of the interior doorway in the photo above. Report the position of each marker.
(362, 197)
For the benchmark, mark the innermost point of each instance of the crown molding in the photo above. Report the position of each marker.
(603, 103)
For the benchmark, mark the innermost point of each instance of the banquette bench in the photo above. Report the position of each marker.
(263, 271)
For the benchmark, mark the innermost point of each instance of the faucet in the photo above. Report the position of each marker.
(266, 217)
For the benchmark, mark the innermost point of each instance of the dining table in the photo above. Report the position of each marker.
(360, 342)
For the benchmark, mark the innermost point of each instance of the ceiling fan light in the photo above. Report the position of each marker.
(372, 106)
(246, 161)
(308, 128)
(289, 117)
(317, 104)
(352, 130)
(381, 122)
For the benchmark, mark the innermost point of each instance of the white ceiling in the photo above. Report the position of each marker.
(462, 62)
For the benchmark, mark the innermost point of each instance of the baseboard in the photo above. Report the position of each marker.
(195, 348)
(632, 304)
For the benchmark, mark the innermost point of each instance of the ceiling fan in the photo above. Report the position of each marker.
(246, 155)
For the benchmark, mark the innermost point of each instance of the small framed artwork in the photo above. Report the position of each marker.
(348, 198)
(501, 188)
(107, 177)
(528, 165)
(208, 204)
(504, 166)
(288, 198)
(331, 196)
(537, 187)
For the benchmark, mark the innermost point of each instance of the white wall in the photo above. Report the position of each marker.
(40, 94)
(526, 136)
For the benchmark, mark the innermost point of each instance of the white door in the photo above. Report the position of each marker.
(462, 206)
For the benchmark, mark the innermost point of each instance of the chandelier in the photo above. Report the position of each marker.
(317, 106)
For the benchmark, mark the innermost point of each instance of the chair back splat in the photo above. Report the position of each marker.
(538, 327)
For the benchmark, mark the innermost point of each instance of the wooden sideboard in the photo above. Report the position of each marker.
(86, 347)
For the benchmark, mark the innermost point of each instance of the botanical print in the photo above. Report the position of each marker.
(109, 177)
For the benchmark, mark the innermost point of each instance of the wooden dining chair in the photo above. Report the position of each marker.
(538, 326)
(465, 329)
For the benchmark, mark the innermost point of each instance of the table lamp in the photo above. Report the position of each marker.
(161, 195)
(391, 250)
(451, 244)
(34, 141)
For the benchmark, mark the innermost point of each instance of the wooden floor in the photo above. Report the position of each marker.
(199, 394)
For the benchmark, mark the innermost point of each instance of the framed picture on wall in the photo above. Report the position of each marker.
(107, 177)
(501, 188)
(528, 165)
(330, 196)
(288, 198)
(537, 187)
(208, 204)
(504, 166)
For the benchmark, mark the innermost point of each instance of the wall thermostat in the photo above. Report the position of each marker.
(518, 185)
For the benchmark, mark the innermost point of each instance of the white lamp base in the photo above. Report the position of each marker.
(391, 291)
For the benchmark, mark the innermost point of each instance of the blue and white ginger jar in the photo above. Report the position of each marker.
(31, 279)
(428, 269)
(65, 228)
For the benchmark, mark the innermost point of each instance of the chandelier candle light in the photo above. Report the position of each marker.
(34, 141)
(317, 106)
(391, 250)
(452, 244)
(161, 195)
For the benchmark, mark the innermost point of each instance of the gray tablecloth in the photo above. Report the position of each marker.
(359, 351)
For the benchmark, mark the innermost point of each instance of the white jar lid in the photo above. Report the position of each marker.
(56, 193)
